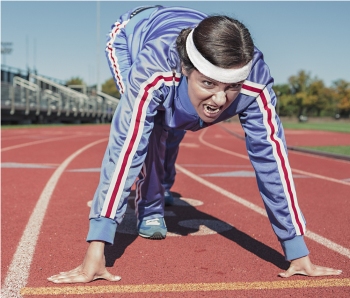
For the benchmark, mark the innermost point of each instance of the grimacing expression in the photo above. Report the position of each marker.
(209, 97)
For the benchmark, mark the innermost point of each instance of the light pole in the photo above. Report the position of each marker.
(6, 48)
(98, 87)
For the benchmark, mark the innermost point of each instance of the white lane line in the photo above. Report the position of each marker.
(18, 165)
(327, 243)
(86, 170)
(293, 169)
(14, 137)
(335, 160)
(216, 166)
(222, 191)
(319, 239)
(321, 177)
(36, 142)
(18, 272)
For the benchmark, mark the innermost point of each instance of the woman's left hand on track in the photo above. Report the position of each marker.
(304, 266)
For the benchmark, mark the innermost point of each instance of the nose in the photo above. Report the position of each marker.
(219, 98)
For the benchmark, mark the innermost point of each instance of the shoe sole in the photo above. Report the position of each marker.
(155, 236)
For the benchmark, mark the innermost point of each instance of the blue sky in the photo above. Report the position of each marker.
(60, 38)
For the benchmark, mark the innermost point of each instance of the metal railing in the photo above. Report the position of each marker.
(41, 96)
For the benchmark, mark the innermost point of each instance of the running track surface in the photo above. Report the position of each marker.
(220, 243)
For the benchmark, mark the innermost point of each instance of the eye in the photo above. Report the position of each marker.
(235, 86)
(207, 83)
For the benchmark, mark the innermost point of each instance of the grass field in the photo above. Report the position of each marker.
(342, 150)
(341, 126)
(329, 126)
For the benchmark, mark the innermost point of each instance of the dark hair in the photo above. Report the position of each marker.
(223, 41)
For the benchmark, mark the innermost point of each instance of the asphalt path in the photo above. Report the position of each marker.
(219, 244)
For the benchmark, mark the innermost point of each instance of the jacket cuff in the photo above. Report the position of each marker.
(102, 229)
(294, 248)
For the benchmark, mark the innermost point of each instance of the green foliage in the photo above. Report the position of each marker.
(304, 95)
(342, 97)
(285, 103)
(75, 81)
(110, 88)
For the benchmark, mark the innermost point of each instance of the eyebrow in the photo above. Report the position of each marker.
(212, 80)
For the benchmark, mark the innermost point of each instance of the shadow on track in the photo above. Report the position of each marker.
(189, 220)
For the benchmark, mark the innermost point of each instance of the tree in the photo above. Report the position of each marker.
(304, 95)
(285, 105)
(342, 97)
(110, 88)
(75, 81)
(299, 85)
(317, 99)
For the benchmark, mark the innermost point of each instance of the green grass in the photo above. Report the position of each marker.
(329, 126)
(342, 150)
(318, 124)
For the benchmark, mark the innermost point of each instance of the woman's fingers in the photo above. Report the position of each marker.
(304, 266)
(322, 271)
(108, 276)
(77, 275)
(74, 278)
(71, 271)
(318, 271)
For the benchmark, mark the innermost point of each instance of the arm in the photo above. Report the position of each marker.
(266, 147)
(131, 127)
(267, 151)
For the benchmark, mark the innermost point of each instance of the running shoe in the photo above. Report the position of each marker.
(153, 228)
(168, 198)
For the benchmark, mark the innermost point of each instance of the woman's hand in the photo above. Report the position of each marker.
(304, 266)
(92, 268)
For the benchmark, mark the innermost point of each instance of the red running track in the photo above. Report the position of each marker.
(216, 247)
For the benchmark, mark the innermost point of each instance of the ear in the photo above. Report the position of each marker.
(183, 70)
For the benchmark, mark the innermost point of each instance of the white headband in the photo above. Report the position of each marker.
(223, 75)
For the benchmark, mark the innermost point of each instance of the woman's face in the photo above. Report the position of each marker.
(209, 97)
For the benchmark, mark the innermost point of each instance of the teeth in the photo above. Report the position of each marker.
(211, 110)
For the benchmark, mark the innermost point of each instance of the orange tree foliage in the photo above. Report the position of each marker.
(304, 95)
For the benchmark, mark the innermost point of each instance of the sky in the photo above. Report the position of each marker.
(65, 39)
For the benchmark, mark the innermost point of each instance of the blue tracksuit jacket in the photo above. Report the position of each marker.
(141, 52)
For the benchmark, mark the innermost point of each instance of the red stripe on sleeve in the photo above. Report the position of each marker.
(132, 142)
(250, 88)
(283, 162)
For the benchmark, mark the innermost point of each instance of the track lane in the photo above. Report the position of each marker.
(303, 163)
(18, 198)
(149, 262)
(231, 267)
(321, 211)
(24, 176)
(19, 268)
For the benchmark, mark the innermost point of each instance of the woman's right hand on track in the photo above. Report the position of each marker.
(92, 268)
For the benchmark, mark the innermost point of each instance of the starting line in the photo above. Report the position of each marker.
(188, 287)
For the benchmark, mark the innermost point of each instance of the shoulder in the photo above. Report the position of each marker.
(171, 20)
(158, 33)
(174, 12)
(260, 74)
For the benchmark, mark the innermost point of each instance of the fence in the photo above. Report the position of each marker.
(41, 100)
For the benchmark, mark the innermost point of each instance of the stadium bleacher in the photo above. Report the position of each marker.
(28, 98)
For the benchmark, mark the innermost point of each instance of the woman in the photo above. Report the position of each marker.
(179, 70)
